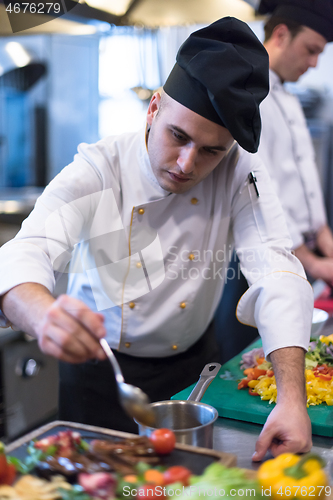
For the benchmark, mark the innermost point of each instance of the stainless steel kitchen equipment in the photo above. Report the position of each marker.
(43, 120)
(28, 385)
(134, 401)
(191, 421)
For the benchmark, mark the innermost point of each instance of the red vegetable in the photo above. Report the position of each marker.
(45, 443)
(243, 383)
(177, 474)
(65, 442)
(323, 376)
(99, 484)
(7, 471)
(163, 441)
(256, 372)
(9, 476)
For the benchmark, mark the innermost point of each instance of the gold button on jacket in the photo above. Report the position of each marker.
(141, 211)
(175, 347)
(183, 305)
(194, 201)
(132, 305)
(127, 344)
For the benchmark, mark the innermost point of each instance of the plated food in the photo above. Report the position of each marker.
(74, 464)
(81, 470)
(260, 380)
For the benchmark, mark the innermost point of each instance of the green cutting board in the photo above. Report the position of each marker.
(240, 405)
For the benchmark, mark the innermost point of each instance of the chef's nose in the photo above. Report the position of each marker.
(186, 159)
(313, 60)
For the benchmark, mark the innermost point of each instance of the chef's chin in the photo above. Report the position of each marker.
(173, 186)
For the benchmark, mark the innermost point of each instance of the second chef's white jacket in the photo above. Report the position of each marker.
(154, 263)
(286, 150)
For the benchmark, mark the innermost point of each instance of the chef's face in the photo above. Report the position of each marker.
(299, 53)
(183, 147)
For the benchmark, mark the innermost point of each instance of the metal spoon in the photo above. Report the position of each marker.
(134, 401)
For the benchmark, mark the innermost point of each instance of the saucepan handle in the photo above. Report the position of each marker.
(206, 377)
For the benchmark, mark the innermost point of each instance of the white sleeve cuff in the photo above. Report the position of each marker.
(280, 305)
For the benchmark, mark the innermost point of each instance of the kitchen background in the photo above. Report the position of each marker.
(77, 79)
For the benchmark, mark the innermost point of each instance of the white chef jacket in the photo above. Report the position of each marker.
(109, 195)
(287, 151)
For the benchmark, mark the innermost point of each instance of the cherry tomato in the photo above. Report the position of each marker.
(3, 466)
(163, 441)
(177, 474)
(10, 475)
(150, 492)
(7, 471)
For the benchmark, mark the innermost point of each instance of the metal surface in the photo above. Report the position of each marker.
(18, 201)
(29, 387)
(206, 377)
(232, 436)
(134, 401)
(191, 421)
(151, 13)
(319, 319)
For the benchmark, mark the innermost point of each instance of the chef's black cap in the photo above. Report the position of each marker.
(315, 14)
(221, 73)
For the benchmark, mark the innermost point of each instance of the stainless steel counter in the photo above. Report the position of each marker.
(234, 436)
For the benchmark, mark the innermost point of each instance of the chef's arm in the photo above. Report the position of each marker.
(324, 241)
(285, 430)
(316, 266)
(65, 327)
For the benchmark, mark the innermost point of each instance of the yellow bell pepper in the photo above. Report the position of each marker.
(326, 339)
(290, 475)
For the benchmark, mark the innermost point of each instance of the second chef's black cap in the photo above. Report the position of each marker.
(315, 14)
(221, 73)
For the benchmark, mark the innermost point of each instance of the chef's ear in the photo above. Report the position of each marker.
(153, 107)
(281, 35)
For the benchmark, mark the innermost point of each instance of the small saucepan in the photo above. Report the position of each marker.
(191, 421)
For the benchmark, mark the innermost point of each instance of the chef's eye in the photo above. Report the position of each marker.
(178, 136)
(210, 151)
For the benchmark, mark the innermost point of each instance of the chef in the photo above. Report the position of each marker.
(147, 222)
(296, 33)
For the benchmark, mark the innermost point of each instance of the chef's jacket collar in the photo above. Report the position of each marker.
(156, 192)
(274, 80)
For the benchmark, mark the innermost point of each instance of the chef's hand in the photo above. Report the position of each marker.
(324, 241)
(70, 331)
(317, 267)
(287, 430)
(288, 427)
(322, 268)
(65, 327)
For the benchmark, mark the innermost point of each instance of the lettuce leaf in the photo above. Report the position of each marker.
(218, 480)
